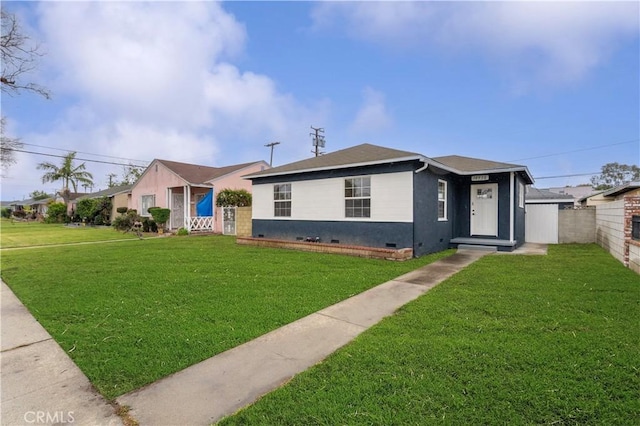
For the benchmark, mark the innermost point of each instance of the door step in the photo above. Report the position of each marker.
(476, 247)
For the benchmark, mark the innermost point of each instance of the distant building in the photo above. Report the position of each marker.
(577, 192)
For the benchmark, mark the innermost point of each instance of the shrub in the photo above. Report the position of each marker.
(182, 232)
(233, 197)
(89, 209)
(57, 213)
(122, 210)
(160, 215)
(126, 221)
(19, 214)
(86, 209)
(148, 225)
(5, 212)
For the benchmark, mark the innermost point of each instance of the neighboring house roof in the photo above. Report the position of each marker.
(197, 175)
(109, 192)
(368, 154)
(73, 195)
(578, 192)
(538, 196)
(621, 189)
(30, 202)
(613, 192)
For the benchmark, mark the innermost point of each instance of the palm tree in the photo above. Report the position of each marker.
(67, 173)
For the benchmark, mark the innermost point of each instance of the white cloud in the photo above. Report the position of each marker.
(372, 115)
(156, 80)
(534, 42)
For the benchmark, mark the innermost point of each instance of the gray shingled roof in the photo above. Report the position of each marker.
(535, 194)
(108, 192)
(472, 165)
(196, 174)
(621, 189)
(359, 154)
(367, 154)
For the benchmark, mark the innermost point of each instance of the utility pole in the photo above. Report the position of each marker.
(271, 145)
(317, 140)
(111, 176)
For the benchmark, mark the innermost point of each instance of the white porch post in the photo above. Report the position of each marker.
(187, 208)
(213, 209)
(169, 195)
(511, 205)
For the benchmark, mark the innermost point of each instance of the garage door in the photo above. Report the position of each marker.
(541, 223)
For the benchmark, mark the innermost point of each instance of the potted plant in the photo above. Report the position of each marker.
(160, 216)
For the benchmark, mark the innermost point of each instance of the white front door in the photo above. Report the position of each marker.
(177, 211)
(484, 209)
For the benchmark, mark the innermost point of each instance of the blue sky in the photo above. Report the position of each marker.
(554, 86)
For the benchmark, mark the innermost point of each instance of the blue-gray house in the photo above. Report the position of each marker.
(373, 196)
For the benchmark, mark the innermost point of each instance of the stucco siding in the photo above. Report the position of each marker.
(155, 181)
(610, 228)
(119, 200)
(323, 199)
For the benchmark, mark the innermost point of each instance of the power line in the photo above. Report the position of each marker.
(562, 176)
(87, 153)
(577, 150)
(79, 159)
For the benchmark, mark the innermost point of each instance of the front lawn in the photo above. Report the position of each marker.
(509, 340)
(129, 313)
(24, 234)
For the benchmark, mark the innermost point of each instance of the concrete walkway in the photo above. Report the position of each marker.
(204, 393)
(41, 385)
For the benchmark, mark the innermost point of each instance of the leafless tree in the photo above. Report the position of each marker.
(8, 145)
(20, 56)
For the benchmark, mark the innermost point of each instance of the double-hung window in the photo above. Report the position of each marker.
(282, 200)
(357, 197)
(442, 200)
(147, 201)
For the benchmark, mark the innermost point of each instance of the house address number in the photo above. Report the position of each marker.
(479, 178)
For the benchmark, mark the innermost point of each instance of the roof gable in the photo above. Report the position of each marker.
(196, 174)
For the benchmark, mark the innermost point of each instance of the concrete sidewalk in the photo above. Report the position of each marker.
(39, 382)
(204, 393)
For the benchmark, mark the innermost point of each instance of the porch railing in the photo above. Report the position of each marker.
(201, 223)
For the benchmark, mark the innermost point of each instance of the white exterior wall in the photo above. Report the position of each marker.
(610, 228)
(323, 199)
(541, 223)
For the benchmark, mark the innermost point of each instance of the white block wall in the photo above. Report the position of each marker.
(323, 199)
(610, 228)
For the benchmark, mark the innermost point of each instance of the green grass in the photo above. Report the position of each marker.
(25, 234)
(129, 313)
(509, 340)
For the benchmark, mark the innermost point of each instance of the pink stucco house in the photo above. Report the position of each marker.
(180, 186)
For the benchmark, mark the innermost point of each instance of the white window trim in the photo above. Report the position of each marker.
(446, 203)
(142, 212)
(368, 197)
(275, 202)
(521, 195)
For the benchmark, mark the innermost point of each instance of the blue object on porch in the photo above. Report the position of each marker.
(205, 206)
